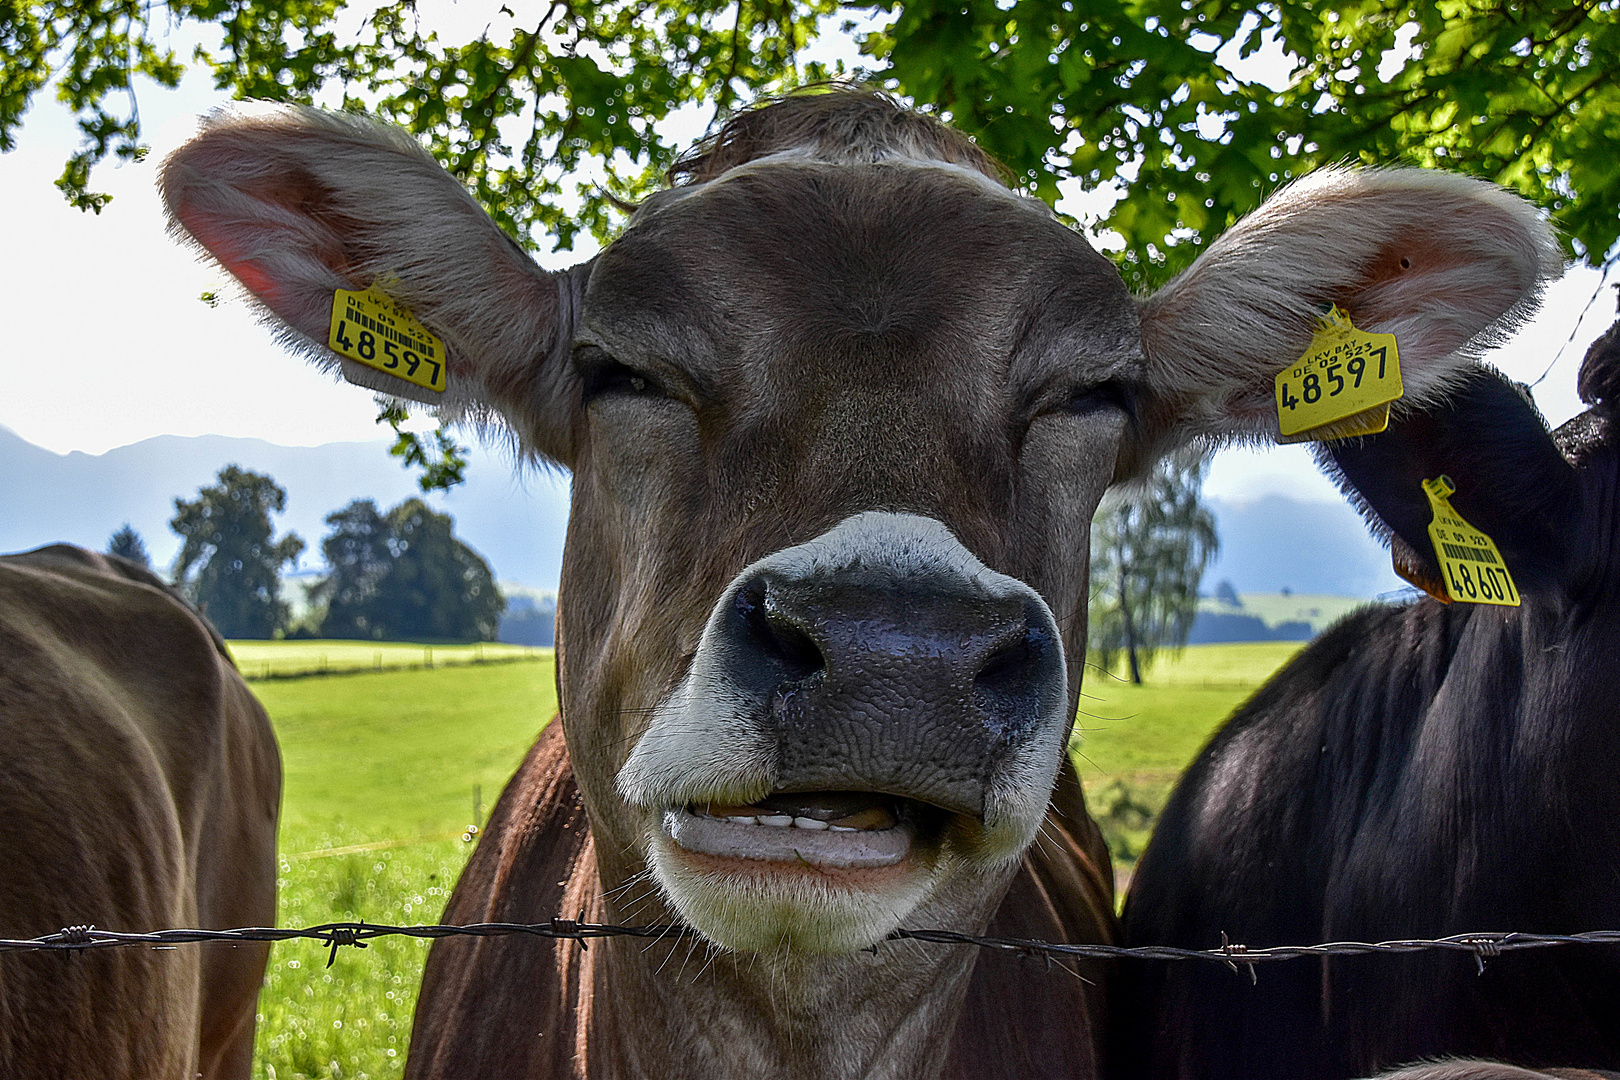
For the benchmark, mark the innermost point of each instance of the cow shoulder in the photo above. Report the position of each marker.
(534, 862)
(1020, 1014)
(122, 649)
(1299, 758)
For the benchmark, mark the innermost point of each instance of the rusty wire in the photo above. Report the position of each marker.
(1482, 946)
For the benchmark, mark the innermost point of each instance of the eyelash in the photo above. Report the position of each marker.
(604, 375)
(1103, 395)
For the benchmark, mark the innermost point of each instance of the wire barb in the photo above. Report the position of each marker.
(338, 935)
(570, 928)
(1230, 949)
(1485, 948)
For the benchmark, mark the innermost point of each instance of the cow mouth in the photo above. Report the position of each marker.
(846, 830)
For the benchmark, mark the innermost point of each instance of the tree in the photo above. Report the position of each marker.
(357, 553)
(126, 543)
(443, 466)
(1135, 94)
(555, 125)
(1150, 544)
(405, 575)
(228, 540)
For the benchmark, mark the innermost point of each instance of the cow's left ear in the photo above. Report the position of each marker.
(1446, 263)
(1491, 443)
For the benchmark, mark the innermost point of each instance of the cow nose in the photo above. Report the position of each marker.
(915, 685)
(994, 645)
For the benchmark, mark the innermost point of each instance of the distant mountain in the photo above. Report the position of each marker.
(516, 521)
(1268, 617)
(1274, 543)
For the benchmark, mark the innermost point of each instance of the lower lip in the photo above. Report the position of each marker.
(704, 839)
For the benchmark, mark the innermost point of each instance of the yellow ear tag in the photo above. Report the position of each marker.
(1342, 386)
(371, 328)
(1472, 567)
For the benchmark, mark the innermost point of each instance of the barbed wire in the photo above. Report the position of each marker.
(1483, 946)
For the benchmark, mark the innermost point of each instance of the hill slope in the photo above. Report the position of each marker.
(516, 522)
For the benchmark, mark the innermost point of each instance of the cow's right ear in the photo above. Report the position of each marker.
(297, 203)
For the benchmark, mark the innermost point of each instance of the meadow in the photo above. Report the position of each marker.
(385, 770)
(293, 659)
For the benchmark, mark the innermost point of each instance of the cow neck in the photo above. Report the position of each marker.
(624, 1008)
(683, 1008)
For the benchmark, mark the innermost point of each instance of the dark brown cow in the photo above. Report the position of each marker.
(1418, 771)
(839, 407)
(139, 788)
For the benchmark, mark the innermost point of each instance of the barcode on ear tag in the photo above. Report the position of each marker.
(1344, 373)
(371, 328)
(1470, 563)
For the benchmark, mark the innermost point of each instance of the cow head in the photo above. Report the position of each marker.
(839, 407)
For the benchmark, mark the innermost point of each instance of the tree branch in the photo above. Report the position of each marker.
(465, 163)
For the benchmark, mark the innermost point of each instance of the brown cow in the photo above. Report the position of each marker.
(839, 407)
(139, 791)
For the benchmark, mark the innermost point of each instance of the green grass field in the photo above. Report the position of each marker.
(382, 773)
(1133, 741)
(283, 659)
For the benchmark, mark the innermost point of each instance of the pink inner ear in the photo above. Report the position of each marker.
(285, 258)
(1438, 283)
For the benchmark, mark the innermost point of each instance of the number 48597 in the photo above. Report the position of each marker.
(1311, 385)
(365, 345)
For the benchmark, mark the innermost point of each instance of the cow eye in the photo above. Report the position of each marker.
(603, 375)
(1105, 395)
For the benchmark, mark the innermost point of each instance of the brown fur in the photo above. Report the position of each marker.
(837, 123)
(139, 788)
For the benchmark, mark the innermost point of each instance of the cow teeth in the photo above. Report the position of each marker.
(779, 821)
(808, 823)
(876, 817)
(842, 828)
(743, 820)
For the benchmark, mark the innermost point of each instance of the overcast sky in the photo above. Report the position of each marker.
(106, 341)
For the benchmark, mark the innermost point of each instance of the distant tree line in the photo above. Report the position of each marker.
(399, 575)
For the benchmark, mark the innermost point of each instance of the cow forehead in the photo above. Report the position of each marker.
(784, 257)
(850, 338)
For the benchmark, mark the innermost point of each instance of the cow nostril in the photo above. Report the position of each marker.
(1004, 671)
(1011, 672)
(777, 635)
